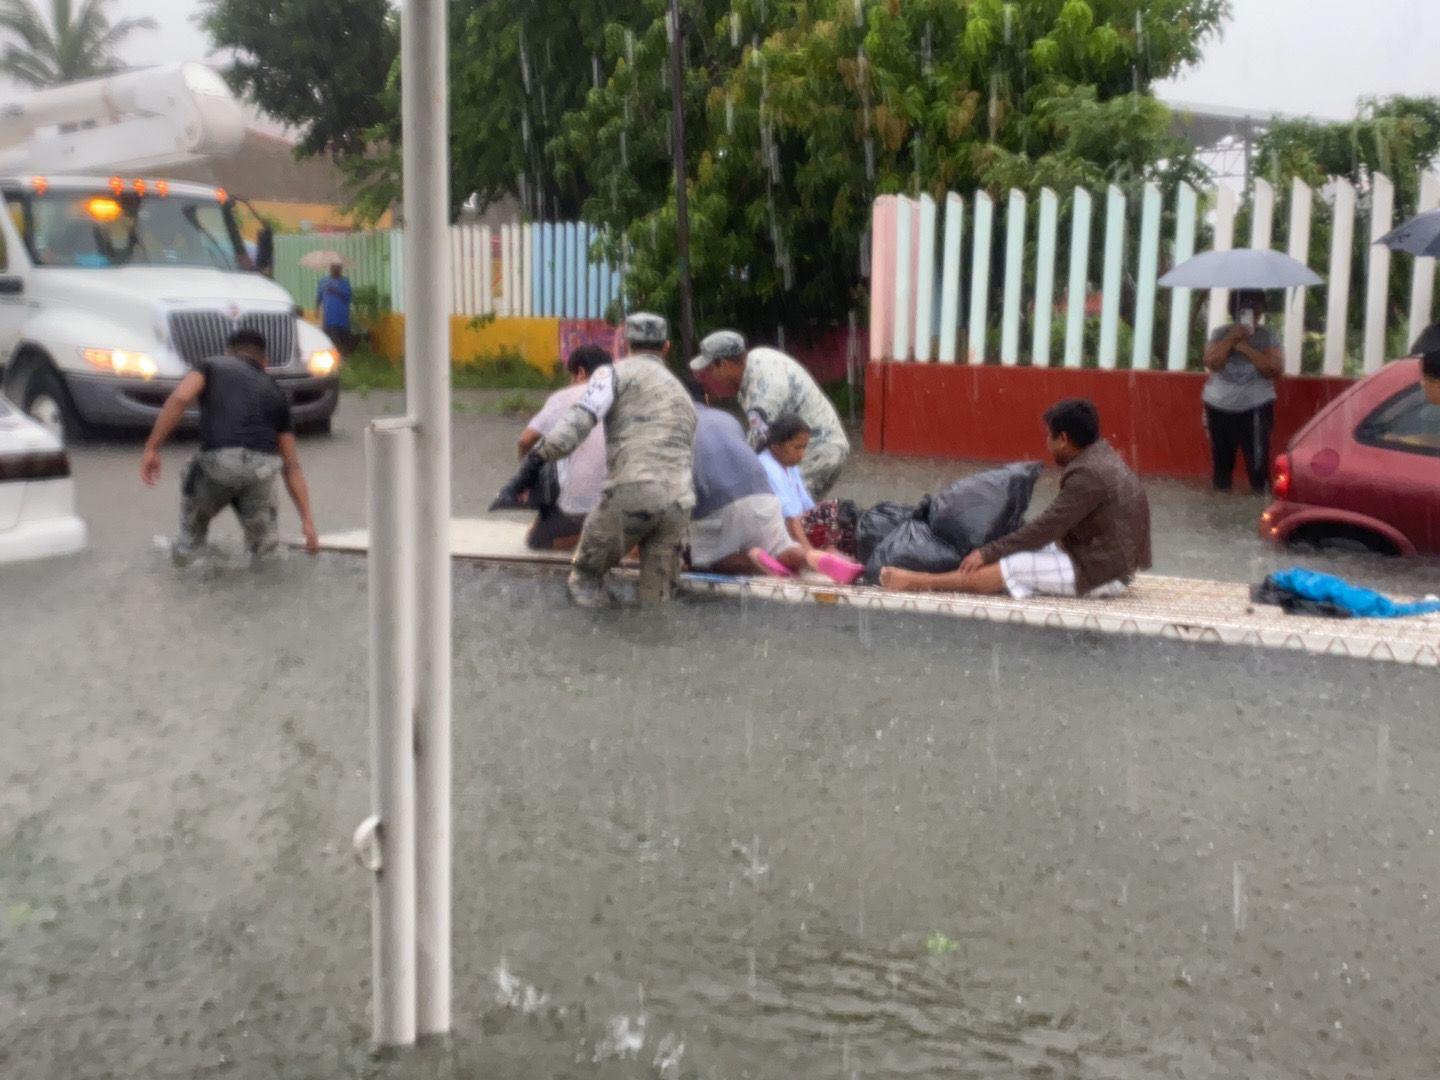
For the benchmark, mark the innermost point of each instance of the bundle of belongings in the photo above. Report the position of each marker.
(1306, 592)
(937, 534)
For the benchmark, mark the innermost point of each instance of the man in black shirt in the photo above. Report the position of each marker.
(247, 438)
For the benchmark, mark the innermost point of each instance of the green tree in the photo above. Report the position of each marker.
(76, 42)
(321, 66)
(810, 108)
(1398, 136)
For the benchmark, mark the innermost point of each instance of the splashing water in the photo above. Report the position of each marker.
(513, 993)
(625, 1039)
(1009, 24)
(859, 12)
(624, 150)
(734, 29)
(730, 114)
(630, 46)
(668, 1056)
(524, 65)
(595, 69)
(525, 130)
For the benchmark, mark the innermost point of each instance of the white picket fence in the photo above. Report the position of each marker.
(530, 269)
(913, 250)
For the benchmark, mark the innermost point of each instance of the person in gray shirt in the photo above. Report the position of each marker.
(1244, 360)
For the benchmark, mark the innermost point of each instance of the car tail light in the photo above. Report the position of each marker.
(36, 465)
(1280, 476)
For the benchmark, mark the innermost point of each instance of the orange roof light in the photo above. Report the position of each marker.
(221, 194)
(102, 209)
(39, 184)
(162, 188)
(139, 186)
(117, 185)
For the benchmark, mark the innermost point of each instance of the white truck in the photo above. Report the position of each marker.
(113, 280)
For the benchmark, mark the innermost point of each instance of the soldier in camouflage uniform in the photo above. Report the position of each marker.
(770, 384)
(649, 446)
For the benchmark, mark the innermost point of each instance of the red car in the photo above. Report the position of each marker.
(1365, 472)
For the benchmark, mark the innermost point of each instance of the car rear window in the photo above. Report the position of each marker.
(1406, 422)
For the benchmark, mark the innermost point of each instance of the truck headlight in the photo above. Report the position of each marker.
(136, 365)
(324, 362)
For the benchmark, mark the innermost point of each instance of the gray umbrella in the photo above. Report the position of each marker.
(1242, 268)
(1418, 236)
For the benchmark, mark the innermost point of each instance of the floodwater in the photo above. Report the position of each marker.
(721, 841)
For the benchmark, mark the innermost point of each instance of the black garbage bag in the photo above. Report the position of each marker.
(972, 512)
(876, 524)
(911, 545)
(535, 486)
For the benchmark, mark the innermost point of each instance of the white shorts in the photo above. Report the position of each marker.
(754, 521)
(1047, 572)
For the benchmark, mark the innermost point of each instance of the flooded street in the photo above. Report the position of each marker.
(726, 840)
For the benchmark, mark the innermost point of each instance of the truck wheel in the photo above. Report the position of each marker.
(44, 398)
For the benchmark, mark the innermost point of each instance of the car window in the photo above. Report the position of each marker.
(1407, 422)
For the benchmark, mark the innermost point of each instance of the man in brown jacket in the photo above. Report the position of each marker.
(1089, 542)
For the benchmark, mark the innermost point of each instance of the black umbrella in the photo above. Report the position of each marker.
(1418, 236)
(1428, 341)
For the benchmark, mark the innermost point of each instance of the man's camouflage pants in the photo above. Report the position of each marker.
(241, 479)
(644, 514)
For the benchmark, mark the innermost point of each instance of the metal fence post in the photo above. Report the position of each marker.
(386, 842)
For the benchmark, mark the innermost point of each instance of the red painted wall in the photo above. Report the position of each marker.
(990, 413)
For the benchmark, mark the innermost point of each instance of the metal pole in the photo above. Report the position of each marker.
(389, 837)
(682, 194)
(425, 130)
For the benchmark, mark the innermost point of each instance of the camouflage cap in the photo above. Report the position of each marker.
(646, 328)
(721, 345)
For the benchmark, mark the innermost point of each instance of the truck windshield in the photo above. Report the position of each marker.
(100, 229)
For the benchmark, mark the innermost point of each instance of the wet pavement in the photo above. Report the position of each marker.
(818, 843)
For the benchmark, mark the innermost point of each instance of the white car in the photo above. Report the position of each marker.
(37, 496)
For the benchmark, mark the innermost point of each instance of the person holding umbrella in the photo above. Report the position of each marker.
(1244, 359)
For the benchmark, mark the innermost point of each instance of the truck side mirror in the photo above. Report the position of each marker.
(265, 251)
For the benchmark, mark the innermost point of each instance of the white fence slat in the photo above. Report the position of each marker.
(1177, 355)
(925, 281)
(1262, 215)
(980, 277)
(1014, 277)
(900, 340)
(1301, 205)
(486, 272)
(1224, 241)
(1114, 268)
(1045, 278)
(1342, 240)
(527, 269)
(397, 271)
(1422, 281)
(950, 279)
(1377, 278)
(1146, 273)
(1076, 293)
(457, 272)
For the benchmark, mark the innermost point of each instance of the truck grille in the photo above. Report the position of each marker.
(201, 334)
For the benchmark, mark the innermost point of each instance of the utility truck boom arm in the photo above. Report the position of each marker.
(138, 121)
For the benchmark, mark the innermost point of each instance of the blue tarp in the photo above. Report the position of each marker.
(1352, 600)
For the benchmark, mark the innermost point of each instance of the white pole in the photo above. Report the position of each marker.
(1337, 305)
(1110, 281)
(1301, 201)
(950, 277)
(980, 277)
(1176, 357)
(1422, 283)
(1075, 297)
(1014, 276)
(1377, 279)
(425, 119)
(1045, 278)
(1145, 278)
(1224, 241)
(390, 452)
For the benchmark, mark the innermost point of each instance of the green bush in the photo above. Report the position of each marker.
(365, 370)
